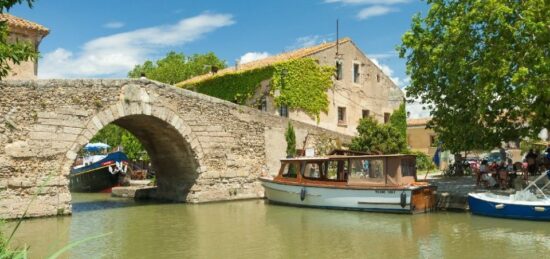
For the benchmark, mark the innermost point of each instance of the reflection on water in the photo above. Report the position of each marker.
(252, 229)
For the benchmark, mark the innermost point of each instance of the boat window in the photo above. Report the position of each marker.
(408, 167)
(312, 170)
(290, 170)
(336, 169)
(367, 170)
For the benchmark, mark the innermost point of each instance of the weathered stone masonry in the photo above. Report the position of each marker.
(205, 149)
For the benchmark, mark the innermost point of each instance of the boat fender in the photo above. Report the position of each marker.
(110, 169)
(540, 209)
(499, 206)
(403, 200)
(303, 194)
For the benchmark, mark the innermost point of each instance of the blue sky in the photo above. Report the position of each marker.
(106, 38)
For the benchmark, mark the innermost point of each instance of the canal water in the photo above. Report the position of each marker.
(257, 229)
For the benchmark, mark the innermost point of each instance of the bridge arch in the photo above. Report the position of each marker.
(173, 148)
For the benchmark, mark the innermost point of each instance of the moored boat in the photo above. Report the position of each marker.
(531, 203)
(98, 172)
(383, 183)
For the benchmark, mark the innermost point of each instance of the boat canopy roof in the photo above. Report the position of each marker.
(93, 147)
(344, 157)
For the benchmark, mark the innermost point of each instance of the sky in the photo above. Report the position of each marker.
(107, 38)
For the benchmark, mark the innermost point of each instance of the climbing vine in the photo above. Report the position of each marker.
(303, 86)
(234, 87)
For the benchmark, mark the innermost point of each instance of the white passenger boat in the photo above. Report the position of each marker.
(385, 183)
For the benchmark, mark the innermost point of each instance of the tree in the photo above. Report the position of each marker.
(398, 120)
(114, 136)
(13, 52)
(177, 67)
(483, 69)
(290, 136)
(377, 138)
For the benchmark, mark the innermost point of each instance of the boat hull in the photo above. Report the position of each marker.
(491, 207)
(99, 176)
(364, 199)
(99, 180)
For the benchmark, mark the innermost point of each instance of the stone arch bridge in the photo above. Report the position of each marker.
(204, 149)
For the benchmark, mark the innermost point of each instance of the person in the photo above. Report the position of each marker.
(502, 174)
(502, 152)
(531, 159)
(483, 169)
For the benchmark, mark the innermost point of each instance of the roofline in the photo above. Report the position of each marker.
(229, 70)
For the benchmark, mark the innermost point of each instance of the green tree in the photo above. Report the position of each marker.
(114, 136)
(13, 52)
(290, 136)
(483, 68)
(376, 138)
(398, 120)
(177, 67)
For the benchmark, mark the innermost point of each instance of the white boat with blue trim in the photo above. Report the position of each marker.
(531, 203)
(382, 183)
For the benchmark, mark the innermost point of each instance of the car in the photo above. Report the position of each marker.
(494, 157)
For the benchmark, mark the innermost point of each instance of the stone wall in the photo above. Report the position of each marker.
(205, 149)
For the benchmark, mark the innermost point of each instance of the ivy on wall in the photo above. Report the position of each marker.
(235, 87)
(303, 86)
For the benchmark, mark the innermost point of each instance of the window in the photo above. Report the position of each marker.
(408, 167)
(342, 115)
(290, 170)
(356, 73)
(366, 113)
(367, 170)
(336, 170)
(312, 170)
(378, 78)
(283, 111)
(339, 74)
(263, 104)
(386, 117)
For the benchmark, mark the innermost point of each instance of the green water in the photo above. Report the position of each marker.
(256, 229)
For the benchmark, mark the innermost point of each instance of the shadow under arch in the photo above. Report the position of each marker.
(170, 144)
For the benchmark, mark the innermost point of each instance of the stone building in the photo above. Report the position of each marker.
(20, 29)
(360, 88)
(419, 138)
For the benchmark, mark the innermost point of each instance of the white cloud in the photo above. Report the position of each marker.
(365, 2)
(375, 7)
(414, 107)
(375, 10)
(308, 41)
(389, 72)
(385, 68)
(117, 54)
(113, 25)
(251, 56)
(384, 55)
